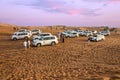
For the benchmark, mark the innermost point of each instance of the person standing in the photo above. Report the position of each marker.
(59, 35)
(25, 44)
(62, 37)
(28, 43)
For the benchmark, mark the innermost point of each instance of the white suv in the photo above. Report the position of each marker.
(41, 35)
(87, 33)
(70, 34)
(46, 40)
(36, 31)
(20, 35)
(105, 33)
(24, 30)
(96, 38)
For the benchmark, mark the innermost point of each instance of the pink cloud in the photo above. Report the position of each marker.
(60, 6)
(103, 1)
(71, 10)
(113, 1)
(74, 12)
(55, 7)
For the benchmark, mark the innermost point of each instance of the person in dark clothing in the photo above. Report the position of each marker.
(63, 38)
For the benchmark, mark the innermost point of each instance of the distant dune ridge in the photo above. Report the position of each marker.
(10, 28)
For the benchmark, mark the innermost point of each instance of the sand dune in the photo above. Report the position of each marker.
(76, 59)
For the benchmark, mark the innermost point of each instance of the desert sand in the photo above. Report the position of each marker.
(76, 59)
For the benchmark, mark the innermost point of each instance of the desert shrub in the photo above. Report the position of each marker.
(106, 28)
(113, 29)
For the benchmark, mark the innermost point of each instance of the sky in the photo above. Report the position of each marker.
(61, 12)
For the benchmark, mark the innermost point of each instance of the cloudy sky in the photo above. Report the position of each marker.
(61, 12)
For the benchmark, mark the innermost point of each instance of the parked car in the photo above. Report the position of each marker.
(20, 35)
(71, 34)
(36, 31)
(24, 30)
(46, 40)
(96, 38)
(80, 32)
(105, 33)
(41, 35)
(87, 33)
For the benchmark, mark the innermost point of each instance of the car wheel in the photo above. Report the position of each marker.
(38, 45)
(103, 39)
(53, 43)
(96, 40)
(14, 38)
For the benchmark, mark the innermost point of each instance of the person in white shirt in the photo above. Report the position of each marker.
(25, 44)
(59, 35)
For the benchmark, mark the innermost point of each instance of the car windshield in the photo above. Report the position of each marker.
(68, 32)
(74, 33)
(105, 31)
(15, 34)
(43, 34)
(37, 38)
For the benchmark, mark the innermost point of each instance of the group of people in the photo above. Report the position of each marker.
(61, 37)
(26, 43)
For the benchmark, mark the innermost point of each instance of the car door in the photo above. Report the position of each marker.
(19, 36)
(47, 41)
(23, 35)
(99, 37)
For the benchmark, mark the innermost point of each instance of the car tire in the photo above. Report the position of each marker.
(96, 40)
(103, 39)
(53, 43)
(38, 45)
(14, 39)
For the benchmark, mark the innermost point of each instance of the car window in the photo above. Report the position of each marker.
(19, 34)
(15, 34)
(68, 32)
(45, 34)
(52, 37)
(41, 34)
(22, 33)
(74, 33)
(40, 38)
(36, 38)
(47, 38)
